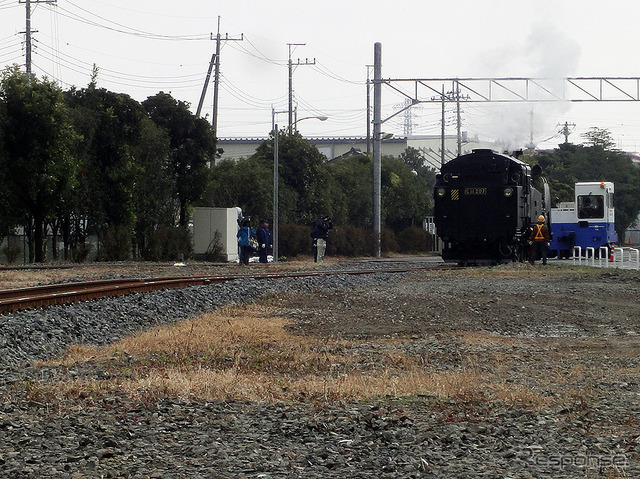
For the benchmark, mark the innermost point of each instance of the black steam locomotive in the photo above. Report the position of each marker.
(485, 205)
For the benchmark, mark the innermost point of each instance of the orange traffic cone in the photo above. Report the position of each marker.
(611, 253)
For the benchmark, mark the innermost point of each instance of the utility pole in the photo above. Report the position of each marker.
(565, 131)
(442, 145)
(459, 119)
(28, 31)
(215, 62)
(531, 144)
(291, 64)
(377, 153)
(368, 109)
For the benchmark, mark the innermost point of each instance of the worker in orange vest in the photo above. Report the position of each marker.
(540, 239)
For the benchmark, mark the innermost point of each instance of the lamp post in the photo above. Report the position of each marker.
(276, 172)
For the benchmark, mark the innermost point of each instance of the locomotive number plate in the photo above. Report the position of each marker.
(475, 191)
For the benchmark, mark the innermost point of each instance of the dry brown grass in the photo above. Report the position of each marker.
(247, 353)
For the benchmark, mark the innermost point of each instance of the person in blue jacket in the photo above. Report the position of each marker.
(264, 240)
(245, 233)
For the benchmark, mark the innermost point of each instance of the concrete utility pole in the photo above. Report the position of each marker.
(215, 62)
(458, 119)
(377, 140)
(291, 64)
(442, 129)
(28, 31)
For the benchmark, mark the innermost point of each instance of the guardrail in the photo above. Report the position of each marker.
(628, 258)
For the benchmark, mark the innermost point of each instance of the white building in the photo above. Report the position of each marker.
(429, 146)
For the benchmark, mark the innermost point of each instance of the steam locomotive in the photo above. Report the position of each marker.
(485, 206)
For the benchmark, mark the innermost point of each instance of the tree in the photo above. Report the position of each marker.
(351, 188)
(599, 138)
(303, 181)
(413, 158)
(36, 162)
(246, 183)
(154, 204)
(111, 126)
(192, 147)
(406, 198)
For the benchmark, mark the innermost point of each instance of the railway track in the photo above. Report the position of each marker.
(64, 293)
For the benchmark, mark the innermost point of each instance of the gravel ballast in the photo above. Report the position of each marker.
(584, 323)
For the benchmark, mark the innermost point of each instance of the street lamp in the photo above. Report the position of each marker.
(292, 126)
(276, 173)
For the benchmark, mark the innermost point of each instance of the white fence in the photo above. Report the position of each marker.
(628, 258)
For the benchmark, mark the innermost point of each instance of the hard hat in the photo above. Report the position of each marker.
(540, 219)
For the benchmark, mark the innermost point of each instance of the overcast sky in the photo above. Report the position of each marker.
(145, 46)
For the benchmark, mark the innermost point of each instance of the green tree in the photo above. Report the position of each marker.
(310, 186)
(111, 126)
(8, 218)
(154, 203)
(413, 158)
(406, 198)
(303, 182)
(192, 147)
(599, 138)
(246, 183)
(37, 164)
(418, 163)
(352, 190)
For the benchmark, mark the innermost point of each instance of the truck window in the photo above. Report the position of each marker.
(590, 206)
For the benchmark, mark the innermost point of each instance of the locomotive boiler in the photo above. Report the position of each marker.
(485, 206)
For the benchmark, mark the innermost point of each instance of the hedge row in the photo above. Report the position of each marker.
(348, 240)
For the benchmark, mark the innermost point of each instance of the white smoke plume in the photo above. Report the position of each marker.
(546, 53)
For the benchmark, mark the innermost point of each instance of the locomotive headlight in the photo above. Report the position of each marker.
(441, 192)
(508, 192)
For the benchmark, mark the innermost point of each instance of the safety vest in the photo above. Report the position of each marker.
(539, 235)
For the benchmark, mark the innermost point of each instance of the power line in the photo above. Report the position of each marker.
(120, 28)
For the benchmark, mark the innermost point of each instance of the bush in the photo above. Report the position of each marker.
(388, 241)
(116, 244)
(352, 241)
(216, 249)
(294, 240)
(169, 244)
(347, 241)
(12, 252)
(413, 240)
(80, 253)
